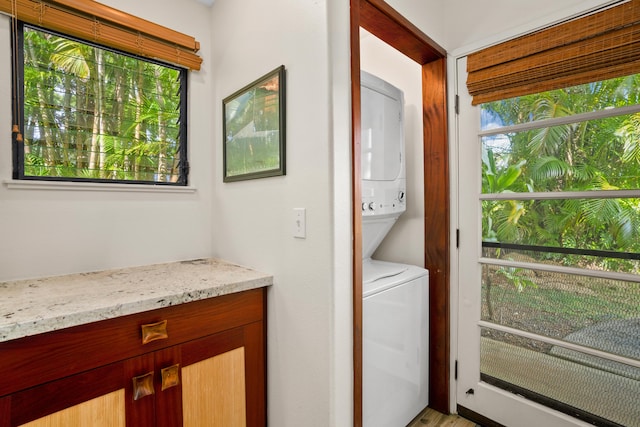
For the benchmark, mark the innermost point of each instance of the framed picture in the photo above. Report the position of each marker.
(254, 129)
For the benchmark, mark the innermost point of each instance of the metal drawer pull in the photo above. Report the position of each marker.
(170, 376)
(143, 386)
(154, 331)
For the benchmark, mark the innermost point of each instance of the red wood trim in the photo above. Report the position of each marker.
(265, 361)
(377, 17)
(5, 411)
(52, 397)
(204, 348)
(169, 401)
(356, 222)
(30, 361)
(139, 412)
(255, 375)
(436, 224)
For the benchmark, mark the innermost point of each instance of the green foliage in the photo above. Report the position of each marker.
(252, 131)
(497, 180)
(599, 154)
(629, 132)
(518, 277)
(95, 113)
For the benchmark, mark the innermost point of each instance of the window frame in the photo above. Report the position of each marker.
(18, 100)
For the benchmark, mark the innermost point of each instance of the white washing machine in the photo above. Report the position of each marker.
(395, 357)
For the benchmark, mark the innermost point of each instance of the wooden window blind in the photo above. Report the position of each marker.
(98, 23)
(596, 47)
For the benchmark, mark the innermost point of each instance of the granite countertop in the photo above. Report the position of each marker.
(29, 307)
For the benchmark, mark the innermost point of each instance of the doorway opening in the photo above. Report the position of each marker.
(381, 20)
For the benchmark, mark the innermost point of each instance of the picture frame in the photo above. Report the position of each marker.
(254, 122)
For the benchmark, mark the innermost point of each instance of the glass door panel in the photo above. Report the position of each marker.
(549, 291)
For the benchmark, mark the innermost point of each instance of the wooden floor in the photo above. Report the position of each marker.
(431, 418)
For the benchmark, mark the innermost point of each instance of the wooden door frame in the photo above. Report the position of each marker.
(380, 19)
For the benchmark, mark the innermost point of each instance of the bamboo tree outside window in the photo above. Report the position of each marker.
(89, 102)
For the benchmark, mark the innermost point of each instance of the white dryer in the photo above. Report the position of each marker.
(395, 356)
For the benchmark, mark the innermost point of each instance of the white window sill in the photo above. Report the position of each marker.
(15, 184)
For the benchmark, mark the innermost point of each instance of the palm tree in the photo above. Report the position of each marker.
(591, 155)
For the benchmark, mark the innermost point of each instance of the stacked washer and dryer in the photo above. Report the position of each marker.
(395, 296)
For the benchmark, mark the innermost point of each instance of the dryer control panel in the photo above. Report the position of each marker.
(383, 201)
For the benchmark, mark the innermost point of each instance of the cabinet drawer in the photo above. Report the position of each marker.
(41, 358)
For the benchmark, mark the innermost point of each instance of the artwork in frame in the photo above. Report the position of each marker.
(254, 129)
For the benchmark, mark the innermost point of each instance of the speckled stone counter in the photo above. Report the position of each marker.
(30, 307)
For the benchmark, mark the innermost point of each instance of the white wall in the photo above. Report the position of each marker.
(341, 372)
(427, 15)
(475, 24)
(309, 311)
(54, 231)
(405, 241)
(309, 323)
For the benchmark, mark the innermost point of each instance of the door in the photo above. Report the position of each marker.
(102, 411)
(549, 295)
(223, 379)
(97, 397)
(213, 388)
(472, 393)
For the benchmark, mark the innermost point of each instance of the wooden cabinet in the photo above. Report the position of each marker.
(209, 370)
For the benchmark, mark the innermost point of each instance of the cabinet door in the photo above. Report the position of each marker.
(223, 379)
(214, 391)
(101, 397)
(103, 411)
(95, 398)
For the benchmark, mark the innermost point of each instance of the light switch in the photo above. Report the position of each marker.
(300, 223)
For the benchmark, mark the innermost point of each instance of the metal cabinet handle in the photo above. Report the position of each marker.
(154, 331)
(143, 386)
(170, 376)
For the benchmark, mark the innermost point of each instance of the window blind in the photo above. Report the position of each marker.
(98, 23)
(596, 47)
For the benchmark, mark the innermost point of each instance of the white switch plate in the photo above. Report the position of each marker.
(300, 223)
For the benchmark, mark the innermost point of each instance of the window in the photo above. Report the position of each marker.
(97, 114)
(110, 110)
(560, 209)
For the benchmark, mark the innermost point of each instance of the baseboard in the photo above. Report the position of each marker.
(476, 418)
